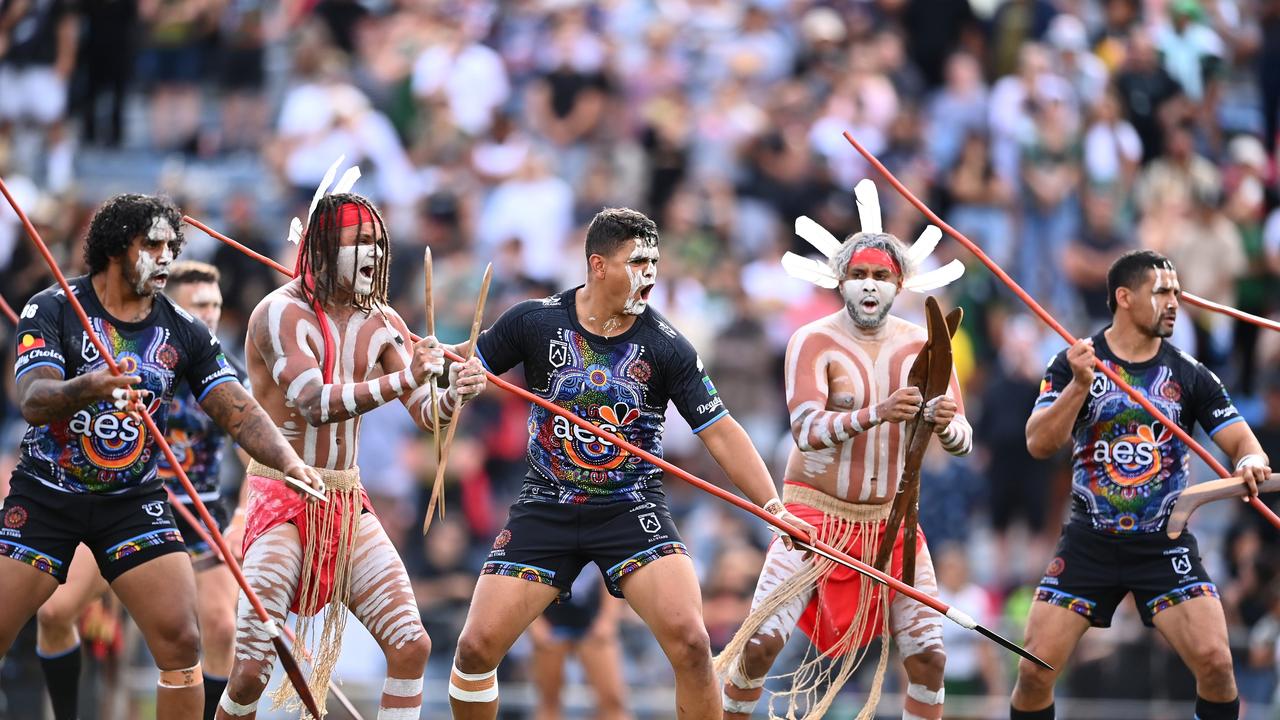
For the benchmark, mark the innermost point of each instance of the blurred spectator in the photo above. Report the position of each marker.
(462, 77)
(38, 42)
(973, 668)
(1084, 70)
(1049, 202)
(957, 111)
(173, 64)
(110, 51)
(1166, 184)
(1112, 149)
(1268, 66)
(980, 201)
(242, 73)
(1191, 50)
(534, 209)
(1016, 24)
(1086, 260)
(1147, 90)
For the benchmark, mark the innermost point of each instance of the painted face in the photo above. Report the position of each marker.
(642, 270)
(1165, 295)
(869, 290)
(359, 257)
(204, 300)
(158, 248)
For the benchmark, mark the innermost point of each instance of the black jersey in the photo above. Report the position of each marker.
(100, 449)
(1127, 468)
(197, 442)
(620, 384)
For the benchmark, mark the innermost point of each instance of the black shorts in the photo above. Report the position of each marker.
(550, 542)
(43, 526)
(571, 619)
(201, 552)
(1092, 572)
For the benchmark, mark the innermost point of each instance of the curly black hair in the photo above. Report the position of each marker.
(320, 252)
(123, 218)
(612, 227)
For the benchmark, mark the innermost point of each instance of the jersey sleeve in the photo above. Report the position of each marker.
(207, 367)
(1211, 404)
(1056, 378)
(502, 347)
(39, 336)
(691, 389)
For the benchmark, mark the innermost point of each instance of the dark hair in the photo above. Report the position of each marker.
(191, 272)
(1131, 269)
(320, 254)
(611, 227)
(122, 218)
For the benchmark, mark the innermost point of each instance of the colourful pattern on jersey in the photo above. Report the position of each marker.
(1181, 595)
(644, 557)
(518, 570)
(599, 386)
(1130, 467)
(30, 556)
(197, 443)
(141, 542)
(1075, 604)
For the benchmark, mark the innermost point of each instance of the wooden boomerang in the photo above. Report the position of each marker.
(930, 373)
(1206, 492)
(438, 486)
(431, 331)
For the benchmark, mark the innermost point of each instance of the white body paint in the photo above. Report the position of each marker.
(644, 276)
(147, 266)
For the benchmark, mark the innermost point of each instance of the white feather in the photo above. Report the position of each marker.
(811, 271)
(295, 231)
(924, 245)
(348, 180)
(324, 185)
(817, 236)
(935, 279)
(868, 205)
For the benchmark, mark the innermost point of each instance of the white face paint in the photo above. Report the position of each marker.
(868, 301)
(1162, 315)
(153, 271)
(357, 266)
(642, 269)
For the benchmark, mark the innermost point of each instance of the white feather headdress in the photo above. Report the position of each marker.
(345, 183)
(823, 275)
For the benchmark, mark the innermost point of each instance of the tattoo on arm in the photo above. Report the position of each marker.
(235, 411)
(44, 396)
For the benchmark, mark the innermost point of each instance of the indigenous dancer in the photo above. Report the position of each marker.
(847, 390)
(599, 351)
(87, 472)
(198, 444)
(322, 350)
(1127, 473)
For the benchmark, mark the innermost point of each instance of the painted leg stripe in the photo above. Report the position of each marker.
(231, 707)
(915, 691)
(476, 696)
(409, 713)
(399, 687)
(740, 680)
(743, 707)
(474, 678)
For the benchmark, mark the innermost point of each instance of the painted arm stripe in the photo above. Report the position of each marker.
(215, 384)
(712, 421)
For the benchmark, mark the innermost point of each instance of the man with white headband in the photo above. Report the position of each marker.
(850, 400)
(321, 351)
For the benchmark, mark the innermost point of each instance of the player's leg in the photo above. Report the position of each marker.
(57, 641)
(1178, 598)
(547, 668)
(1052, 634)
(160, 595)
(216, 588)
(917, 630)
(272, 566)
(665, 594)
(501, 608)
(744, 683)
(382, 599)
(41, 534)
(600, 654)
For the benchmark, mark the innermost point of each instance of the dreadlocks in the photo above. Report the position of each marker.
(319, 253)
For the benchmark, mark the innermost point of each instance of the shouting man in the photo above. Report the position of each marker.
(88, 470)
(322, 350)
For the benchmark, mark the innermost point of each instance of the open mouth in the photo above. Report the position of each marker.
(869, 305)
(644, 292)
(367, 272)
(160, 278)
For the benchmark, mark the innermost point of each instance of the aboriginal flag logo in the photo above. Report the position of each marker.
(30, 340)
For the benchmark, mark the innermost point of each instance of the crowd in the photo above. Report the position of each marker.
(1055, 133)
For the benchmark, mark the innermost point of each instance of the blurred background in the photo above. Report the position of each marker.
(1056, 134)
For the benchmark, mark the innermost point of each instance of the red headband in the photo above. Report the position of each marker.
(349, 214)
(874, 256)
